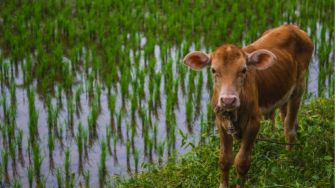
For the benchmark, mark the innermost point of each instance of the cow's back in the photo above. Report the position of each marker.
(293, 49)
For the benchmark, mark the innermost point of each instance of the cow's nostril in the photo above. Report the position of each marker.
(222, 100)
(233, 100)
(228, 100)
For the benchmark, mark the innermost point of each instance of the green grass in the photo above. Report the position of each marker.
(311, 164)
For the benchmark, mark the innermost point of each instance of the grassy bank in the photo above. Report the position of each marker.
(310, 165)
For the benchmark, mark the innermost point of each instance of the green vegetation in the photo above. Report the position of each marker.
(104, 81)
(311, 164)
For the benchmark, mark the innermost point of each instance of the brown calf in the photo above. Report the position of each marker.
(251, 82)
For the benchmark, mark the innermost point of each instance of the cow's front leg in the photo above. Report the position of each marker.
(225, 154)
(243, 157)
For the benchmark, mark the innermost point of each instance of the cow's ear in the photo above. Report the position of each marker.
(197, 60)
(261, 59)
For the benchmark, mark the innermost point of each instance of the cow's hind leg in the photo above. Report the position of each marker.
(243, 157)
(283, 113)
(291, 124)
(225, 155)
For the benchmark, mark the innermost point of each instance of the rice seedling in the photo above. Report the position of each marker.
(80, 147)
(59, 177)
(20, 147)
(108, 139)
(51, 147)
(209, 81)
(78, 101)
(5, 71)
(128, 127)
(115, 141)
(161, 152)
(12, 153)
(30, 175)
(67, 171)
(112, 106)
(133, 106)
(50, 119)
(128, 156)
(33, 117)
(169, 108)
(87, 178)
(60, 136)
(150, 150)
(37, 163)
(119, 130)
(171, 138)
(136, 160)
(141, 83)
(102, 165)
(59, 97)
(203, 132)
(4, 135)
(199, 92)
(1, 173)
(157, 90)
(133, 134)
(92, 122)
(209, 117)
(5, 159)
(71, 110)
(145, 141)
(98, 97)
(16, 183)
(189, 112)
(175, 93)
(151, 83)
(124, 85)
(86, 143)
(155, 138)
(13, 98)
(10, 128)
(5, 124)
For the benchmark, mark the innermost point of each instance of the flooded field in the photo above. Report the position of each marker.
(91, 90)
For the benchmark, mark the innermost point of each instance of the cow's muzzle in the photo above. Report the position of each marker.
(228, 103)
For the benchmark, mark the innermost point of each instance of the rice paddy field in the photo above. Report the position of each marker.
(92, 92)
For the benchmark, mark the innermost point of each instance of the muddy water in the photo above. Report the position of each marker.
(114, 167)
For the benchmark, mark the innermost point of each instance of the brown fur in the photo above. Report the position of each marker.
(260, 91)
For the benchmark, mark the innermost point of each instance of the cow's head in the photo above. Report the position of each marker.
(229, 65)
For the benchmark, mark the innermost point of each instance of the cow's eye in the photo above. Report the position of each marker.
(244, 70)
(213, 71)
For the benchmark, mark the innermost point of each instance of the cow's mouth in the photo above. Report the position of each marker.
(230, 115)
(224, 111)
